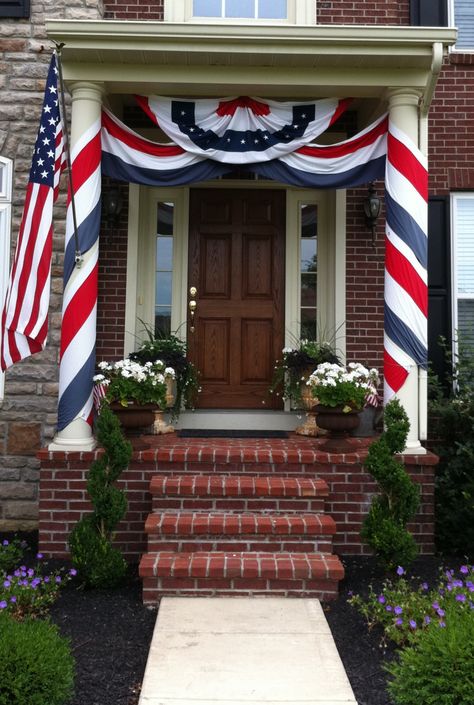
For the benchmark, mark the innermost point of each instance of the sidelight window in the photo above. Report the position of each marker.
(164, 267)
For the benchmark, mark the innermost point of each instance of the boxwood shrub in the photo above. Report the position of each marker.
(36, 663)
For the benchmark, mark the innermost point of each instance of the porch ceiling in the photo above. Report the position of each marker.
(213, 59)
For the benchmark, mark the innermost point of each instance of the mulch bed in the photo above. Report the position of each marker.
(111, 633)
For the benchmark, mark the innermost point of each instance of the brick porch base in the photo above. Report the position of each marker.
(282, 521)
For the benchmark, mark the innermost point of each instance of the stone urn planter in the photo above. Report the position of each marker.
(339, 424)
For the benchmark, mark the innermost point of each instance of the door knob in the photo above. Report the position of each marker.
(192, 310)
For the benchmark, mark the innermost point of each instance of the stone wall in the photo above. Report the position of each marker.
(28, 412)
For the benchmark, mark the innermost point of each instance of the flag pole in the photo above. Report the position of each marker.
(78, 258)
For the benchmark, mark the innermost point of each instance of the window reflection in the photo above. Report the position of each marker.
(308, 270)
(164, 268)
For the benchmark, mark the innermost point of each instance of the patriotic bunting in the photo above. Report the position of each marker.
(241, 130)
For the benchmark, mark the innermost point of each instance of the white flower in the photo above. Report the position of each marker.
(98, 378)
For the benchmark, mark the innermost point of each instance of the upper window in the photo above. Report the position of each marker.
(269, 11)
(5, 220)
(14, 8)
(461, 15)
(463, 264)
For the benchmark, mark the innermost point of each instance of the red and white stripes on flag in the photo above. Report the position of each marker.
(25, 314)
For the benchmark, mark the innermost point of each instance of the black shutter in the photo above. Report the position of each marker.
(14, 8)
(439, 282)
(429, 13)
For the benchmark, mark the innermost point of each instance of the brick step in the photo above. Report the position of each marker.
(205, 531)
(238, 493)
(241, 573)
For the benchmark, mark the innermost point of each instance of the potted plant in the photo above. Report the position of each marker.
(171, 350)
(297, 363)
(133, 391)
(341, 393)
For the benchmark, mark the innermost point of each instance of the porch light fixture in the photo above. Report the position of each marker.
(372, 206)
(112, 204)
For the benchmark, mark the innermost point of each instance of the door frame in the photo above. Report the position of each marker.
(331, 288)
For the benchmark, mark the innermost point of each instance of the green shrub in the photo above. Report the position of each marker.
(403, 609)
(384, 528)
(438, 669)
(452, 428)
(11, 554)
(99, 564)
(36, 664)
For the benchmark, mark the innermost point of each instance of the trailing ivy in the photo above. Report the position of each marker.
(99, 564)
(384, 528)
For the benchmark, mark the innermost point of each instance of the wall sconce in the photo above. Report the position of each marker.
(112, 204)
(372, 207)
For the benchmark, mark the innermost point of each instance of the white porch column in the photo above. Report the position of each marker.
(404, 113)
(78, 334)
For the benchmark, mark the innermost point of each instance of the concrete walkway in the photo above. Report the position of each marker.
(243, 651)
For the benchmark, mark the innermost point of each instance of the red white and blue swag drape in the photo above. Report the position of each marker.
(271, 139)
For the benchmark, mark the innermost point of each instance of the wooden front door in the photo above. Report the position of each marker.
(236, 264)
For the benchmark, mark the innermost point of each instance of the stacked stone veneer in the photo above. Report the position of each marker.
(28, 411)
(63, 497)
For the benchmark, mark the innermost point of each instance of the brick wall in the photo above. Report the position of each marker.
(63, 497)
(28, 412)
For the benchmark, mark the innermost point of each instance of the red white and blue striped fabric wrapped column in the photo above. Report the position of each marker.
(406, 261)
(79, 313)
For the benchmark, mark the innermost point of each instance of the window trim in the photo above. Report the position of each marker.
(300, 12)
(6, 165)
(454, 278)
(453, 48)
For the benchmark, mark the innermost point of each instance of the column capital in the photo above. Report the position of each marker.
(87, 90)
(403, 97)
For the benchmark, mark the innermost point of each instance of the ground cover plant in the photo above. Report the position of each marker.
(36, 662)
(433, 626)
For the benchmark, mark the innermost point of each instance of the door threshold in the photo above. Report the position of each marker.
(240, 419)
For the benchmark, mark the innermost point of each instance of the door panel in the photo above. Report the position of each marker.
(236, 263)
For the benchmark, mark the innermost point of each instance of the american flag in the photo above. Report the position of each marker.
(25, 315)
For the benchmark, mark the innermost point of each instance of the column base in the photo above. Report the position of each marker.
(414, 448)
(77, 436)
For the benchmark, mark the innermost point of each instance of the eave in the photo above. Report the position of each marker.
(214, 59)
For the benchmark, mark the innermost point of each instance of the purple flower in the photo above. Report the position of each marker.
(6, 583)
(425, 586)
(31, 572)
(449, 574)
(458, 583)
(13, 598)
(400, 570)
(5, 542)
(17, 573)
(58, 579)
(39, 556)
(399, 622)
(461, 598)
(426, 620)
(388, 608)
(381, 599)
(435, 606)
(441, 613)
(464, 569)
(35, 583)
(46, 579)
(3, 604)
(398, 609)
(412, 624)
(449, 586)
(73, 572)
(442, 624)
